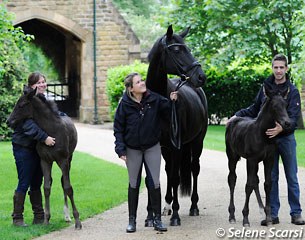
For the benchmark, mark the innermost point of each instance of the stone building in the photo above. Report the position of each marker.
(64, 29)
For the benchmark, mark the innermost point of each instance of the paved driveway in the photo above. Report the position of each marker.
(213, 203)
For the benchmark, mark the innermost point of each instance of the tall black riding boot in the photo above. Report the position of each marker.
(18, 209)
(133, 198)
(155, 197)
(36, 201)
(149, 221)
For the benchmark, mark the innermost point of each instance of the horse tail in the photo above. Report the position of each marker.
(185, 171)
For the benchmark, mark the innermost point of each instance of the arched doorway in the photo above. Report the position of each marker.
(64, 49)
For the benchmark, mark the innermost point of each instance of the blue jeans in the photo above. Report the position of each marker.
(28, 169)
(286, 148)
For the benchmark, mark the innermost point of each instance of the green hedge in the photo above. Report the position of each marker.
(115, 82)
(230, 91)
(226, 92)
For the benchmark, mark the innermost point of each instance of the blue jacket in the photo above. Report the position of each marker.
(28, 133)
(293, 103)
(138, 125)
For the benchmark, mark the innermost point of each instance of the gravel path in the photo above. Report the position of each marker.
(213, 203)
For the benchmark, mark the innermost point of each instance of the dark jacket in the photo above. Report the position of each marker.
(293, 103)
(137, 125)
(28, 133)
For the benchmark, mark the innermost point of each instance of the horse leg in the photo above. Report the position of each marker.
(232, 162)
(268, 164)
(47, 183)
(260, 202)
(167, 210)
(195, 169)
(68, 190)
(66, 206)
(252, 183)
(175, 219)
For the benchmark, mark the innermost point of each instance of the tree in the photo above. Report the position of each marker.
(13, 68)
(141, 15)
(248, 31)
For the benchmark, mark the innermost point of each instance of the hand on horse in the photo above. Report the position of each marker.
(124, 158)
(173, 96)
(272, 132)
(50, 141)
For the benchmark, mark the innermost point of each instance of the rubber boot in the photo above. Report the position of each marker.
(149, 221)
(133, 198)
(155, 198)
(36, 201)
(17, 214)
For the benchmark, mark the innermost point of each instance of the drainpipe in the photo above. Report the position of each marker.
(95, 118)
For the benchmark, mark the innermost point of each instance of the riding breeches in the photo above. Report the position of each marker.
(151, 158)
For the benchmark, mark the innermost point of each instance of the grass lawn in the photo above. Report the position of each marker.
(98, 186)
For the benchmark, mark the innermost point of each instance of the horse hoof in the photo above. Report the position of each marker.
(78, 226)
(194, 212)
(232, 221)
(149, 223)
(246, 225)
(175, 222)
(166, 211)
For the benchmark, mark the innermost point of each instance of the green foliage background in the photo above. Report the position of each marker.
(115, 82)
(13, 68)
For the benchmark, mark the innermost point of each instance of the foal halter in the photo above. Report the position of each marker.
(182, 72)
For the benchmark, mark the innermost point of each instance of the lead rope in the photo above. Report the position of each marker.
(175, 129)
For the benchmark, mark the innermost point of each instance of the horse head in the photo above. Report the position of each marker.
(23, 109)
(175, 57)
(278, 105)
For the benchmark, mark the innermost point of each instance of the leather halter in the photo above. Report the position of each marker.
(182, 73)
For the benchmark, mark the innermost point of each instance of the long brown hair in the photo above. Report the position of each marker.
(34, 78)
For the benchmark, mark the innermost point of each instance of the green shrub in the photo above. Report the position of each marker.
(13, 68)
(230, 91)
(115, 82)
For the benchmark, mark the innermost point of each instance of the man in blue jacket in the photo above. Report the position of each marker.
(285, 140)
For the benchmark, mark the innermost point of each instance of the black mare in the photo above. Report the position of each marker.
(170, 55)
(62, 128)
(246, 137)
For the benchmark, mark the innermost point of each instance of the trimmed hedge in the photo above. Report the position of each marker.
(226, 92)
(115, 82)
(230, 91)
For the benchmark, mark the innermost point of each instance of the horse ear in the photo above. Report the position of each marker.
(285, 92)
(170, 32)
(32, 93)
(185, 32)
(268, 90)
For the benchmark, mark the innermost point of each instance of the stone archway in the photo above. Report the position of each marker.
(63, 44)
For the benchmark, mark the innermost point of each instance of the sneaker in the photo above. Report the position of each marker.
(275, 220)
(297, 220)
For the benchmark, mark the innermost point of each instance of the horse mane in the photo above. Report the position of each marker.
(46, 106)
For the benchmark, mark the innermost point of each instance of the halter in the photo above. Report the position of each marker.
(182, 73)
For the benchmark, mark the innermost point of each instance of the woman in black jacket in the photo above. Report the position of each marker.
(26, 134)
(137, 134)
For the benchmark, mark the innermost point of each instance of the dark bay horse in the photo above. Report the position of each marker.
(170, 55)
(45, 114)
(246, 137)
